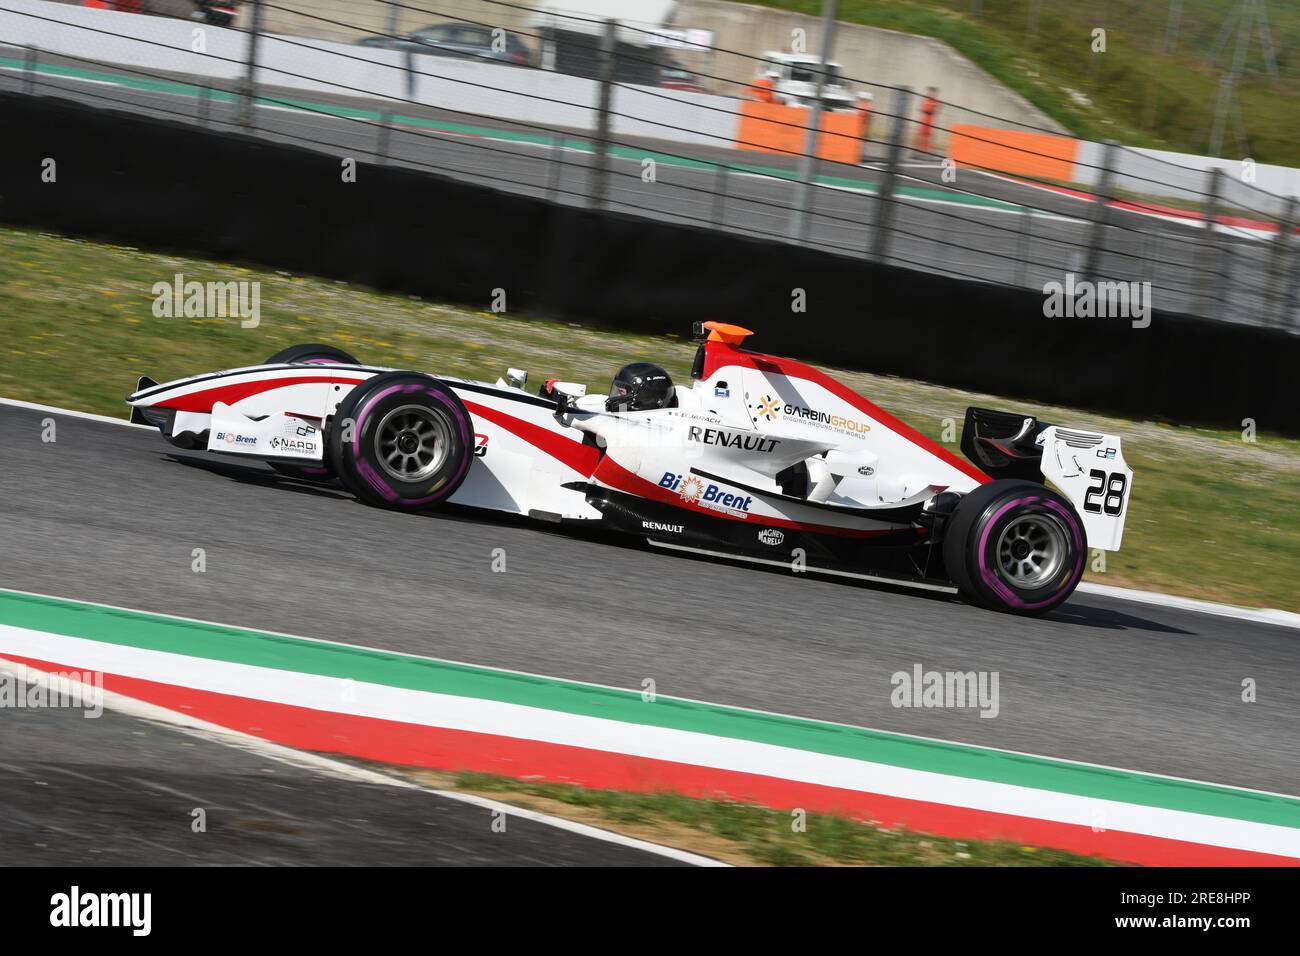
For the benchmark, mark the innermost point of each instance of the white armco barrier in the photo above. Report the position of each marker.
(161, 44)
(1158, 172)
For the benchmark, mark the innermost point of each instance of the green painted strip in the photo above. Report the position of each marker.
(242, 646)
(118, 79)
(515, 136)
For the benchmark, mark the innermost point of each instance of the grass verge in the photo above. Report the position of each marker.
(1212, 515)
(742, 834)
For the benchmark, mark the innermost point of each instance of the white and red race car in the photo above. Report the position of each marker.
(759, 458)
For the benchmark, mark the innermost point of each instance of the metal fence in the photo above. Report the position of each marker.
(656, 122)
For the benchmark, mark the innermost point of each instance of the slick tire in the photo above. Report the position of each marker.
(1015, 546)
(401, 440)
(311, 353)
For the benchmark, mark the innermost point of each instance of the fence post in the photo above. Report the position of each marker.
(885, 194)
(1022, 247)
(205, 104)
(1101, 213)
(557, 167)
(720, 194)
(1289, 294)
(1205, 277)
(386, 117)
(381, 144)
(1281, 255)
(408, 62)
(808, 161)
(249, 90)
(600, 163)
(29, 69)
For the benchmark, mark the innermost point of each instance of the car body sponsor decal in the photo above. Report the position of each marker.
(299, 446)
(694, 491)
(731, 439)
(772, 408)
(663, 526)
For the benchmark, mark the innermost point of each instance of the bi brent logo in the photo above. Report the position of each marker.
(693, 490)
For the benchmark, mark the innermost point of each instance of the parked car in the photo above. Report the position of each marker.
(218, 13)
(674, 76)
(465, 40)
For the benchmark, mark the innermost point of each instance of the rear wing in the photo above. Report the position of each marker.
(1088, 467)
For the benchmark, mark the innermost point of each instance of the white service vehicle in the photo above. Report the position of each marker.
(794, 80)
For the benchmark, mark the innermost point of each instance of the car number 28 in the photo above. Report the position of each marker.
(1107, 494)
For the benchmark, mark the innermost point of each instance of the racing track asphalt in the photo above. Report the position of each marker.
(110, 513)
(118, 790)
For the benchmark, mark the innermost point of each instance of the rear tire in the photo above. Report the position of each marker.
(401, 440)
(311, 353)
(1015, 546)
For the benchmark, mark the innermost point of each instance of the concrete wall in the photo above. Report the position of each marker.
(353, 19)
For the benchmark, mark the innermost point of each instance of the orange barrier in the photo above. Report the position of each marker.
(777, 128)
(1013, 151)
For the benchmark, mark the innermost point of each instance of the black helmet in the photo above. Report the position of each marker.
(639, 387)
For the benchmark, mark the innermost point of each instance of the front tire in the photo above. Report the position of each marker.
(401, 440)
(1015, 546)
(311, 353)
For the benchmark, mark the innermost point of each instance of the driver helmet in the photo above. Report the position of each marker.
(639, 387)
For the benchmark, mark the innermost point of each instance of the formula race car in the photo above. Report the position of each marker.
(759, 458)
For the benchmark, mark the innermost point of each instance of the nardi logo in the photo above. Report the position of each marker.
(75, 908)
